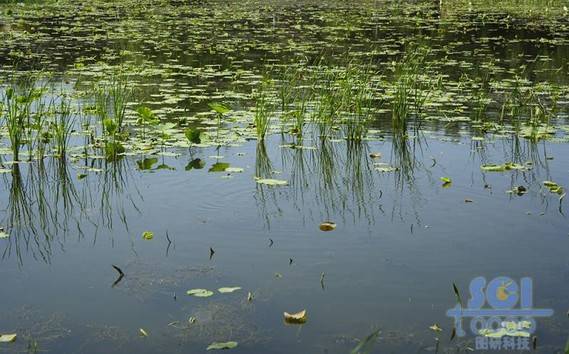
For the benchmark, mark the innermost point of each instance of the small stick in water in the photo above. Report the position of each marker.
(121, 275)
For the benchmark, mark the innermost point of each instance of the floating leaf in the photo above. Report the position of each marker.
(222, 345)
(219, 167)
(384, 167)
(229, 289)
(142, 332)
(436, 328)
(148, 235)
(164, 167)
(375, 155)
(295, 318)
(4, 234)
(200, 292)
(272, 182)
(493, 168)
(553, 187)
(519, 190)
(500, 168)
(234, 170)
(446, 180)
(8, 338)
(328, 226)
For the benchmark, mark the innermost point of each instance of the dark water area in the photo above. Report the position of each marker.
(403, 235)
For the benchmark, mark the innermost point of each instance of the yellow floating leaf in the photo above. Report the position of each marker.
(148, 235)
(436, 328)
(227, 290)
(142, 332)
(272, 182)
(327, 226)
(8, 338)
(299, 317)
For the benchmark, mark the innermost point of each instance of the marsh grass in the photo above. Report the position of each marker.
(263, 109)
(62, 125)
(22, 115)
(413, 84)
(110, 103)
(290, 78)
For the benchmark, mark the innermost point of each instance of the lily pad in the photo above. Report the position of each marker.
(148, 235)
(503, 167)
(328, 226)
(228, 290)
(272, 182)
(219, 167)
(8, 338)
(222, 345)
(200, 292)
(436, 328)
(553, 187)
(296, 318)
(447, 182)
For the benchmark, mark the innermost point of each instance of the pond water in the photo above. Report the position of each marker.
(404, 234)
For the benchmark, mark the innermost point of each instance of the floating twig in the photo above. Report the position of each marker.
(121, 275)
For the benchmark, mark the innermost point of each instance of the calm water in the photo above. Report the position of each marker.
(401, 240)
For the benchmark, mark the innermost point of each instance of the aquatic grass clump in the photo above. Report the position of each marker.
(62, 126)
(110, 103)
(288, 82)
(263, 109)
(111, 99)
(357, 91)
(411, 89)
(294, 94)
(343, 96)
(18, 99)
